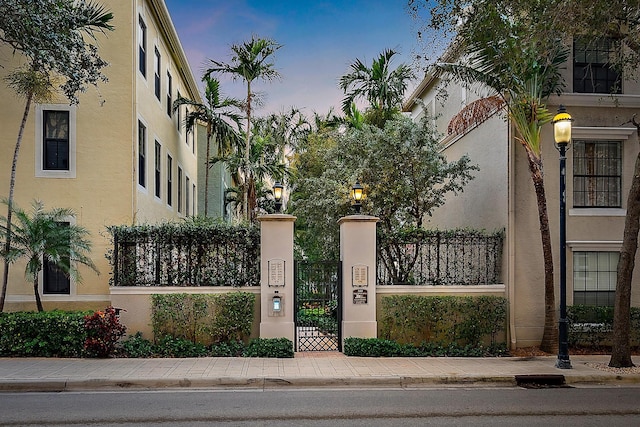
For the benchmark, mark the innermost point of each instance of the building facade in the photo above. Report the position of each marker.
(121, 156)
(600, 164)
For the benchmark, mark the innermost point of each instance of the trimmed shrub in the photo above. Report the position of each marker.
(376, 347)
(269, 347)
(592, 327)
(103, 332)
(42, 334)
(444, 320)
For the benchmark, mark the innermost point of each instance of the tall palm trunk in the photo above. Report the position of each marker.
(247, 153)
(206, 172)
(621, 347)
(12, 184)
(549, 342)
(37, 294)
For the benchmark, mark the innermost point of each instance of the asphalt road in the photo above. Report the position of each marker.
(341, 407)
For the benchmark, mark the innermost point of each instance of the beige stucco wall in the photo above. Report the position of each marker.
(104, 190)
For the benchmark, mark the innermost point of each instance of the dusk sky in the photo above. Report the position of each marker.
(320, 39)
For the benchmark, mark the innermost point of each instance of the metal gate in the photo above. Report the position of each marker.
(318, 312)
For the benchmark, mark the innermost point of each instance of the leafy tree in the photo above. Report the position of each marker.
(381, 86)
(546, 20)
(249, 62)
(55, 37)
(265, 163)
(402, 190)
(218, 116)
(44, 235)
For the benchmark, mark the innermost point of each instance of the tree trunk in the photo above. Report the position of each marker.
(621, 349)
(247, 152)
(37, 294)
(12, 184)
(206, 173)
(549, 341)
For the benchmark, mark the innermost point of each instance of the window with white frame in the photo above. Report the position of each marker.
(142, 46)
(169, 95)
(142, 154)
(169, 180)
(179, 201)
(156, 72)
(157, 169)
(187, 189)
(597, 174)
(179, 115)
(194, 210)
(592, 70)
(54, 280)
(594, 277)
(55, 141)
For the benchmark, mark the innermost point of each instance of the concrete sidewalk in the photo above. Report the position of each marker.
(305, 370)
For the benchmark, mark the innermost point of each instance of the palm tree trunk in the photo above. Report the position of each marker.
(37, 293)
(12, 184)
(621, 347)
(206, 173)
(549, 341)
(247, 151)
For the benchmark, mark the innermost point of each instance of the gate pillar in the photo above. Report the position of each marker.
(276, 276)
(358, 256)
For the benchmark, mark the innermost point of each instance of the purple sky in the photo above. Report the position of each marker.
(320, 39)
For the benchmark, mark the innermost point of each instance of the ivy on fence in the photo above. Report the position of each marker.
(431, 257)
(203, 318)
(195, 252)
(444, 320)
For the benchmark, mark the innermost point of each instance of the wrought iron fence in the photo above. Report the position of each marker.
(185, 255)
(424, 257)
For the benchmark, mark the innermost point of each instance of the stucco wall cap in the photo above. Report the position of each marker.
(276, 217)
(358, 218)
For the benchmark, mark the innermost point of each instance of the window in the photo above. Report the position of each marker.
(179, 116)
(54, 281)
(169, 98)
(157, 161)
(56, 140)
(156, 73)
(594, 278)
(142, 154)
(142, 46)
(592, 72)
(597, 174)
(194, 199)
(187, 188)
(179, 189)
(169, 180)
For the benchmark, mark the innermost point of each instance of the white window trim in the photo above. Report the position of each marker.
(142, 189)
(39, 141)
(172, 206)
(587, 246)
(162, 168)
(73, 286)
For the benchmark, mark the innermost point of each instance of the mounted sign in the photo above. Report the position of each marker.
(360, 276)
(276, 272)
(360, 296)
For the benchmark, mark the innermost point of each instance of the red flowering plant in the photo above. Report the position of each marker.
(103, 332)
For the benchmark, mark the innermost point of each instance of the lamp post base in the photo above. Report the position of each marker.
(563, 364)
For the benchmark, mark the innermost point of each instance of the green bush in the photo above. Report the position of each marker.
(376, 347)
(591, 327)
(43, 334)
(227, 349)
(269, 347)
(203, 319)
(445, 320)
(136, 346)
(179, 347)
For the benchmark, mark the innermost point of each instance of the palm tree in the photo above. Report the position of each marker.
(55, 47)
(381, 86)
(249, 62)
(265, 164)
(47, 235)
(523, 76)
(216, 114)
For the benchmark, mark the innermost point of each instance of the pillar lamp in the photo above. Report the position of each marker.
(562, 135)
(277, 195)
(357, 191)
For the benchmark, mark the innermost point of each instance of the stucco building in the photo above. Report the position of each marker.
(121, 156)
(600, 164)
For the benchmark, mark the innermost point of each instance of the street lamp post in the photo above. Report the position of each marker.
(277, 195)
(357, 191)
(562, 135)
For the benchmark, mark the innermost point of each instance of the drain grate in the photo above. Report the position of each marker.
(541, 381)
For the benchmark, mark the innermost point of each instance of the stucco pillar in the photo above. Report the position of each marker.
(358, 256)
(276, 276)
